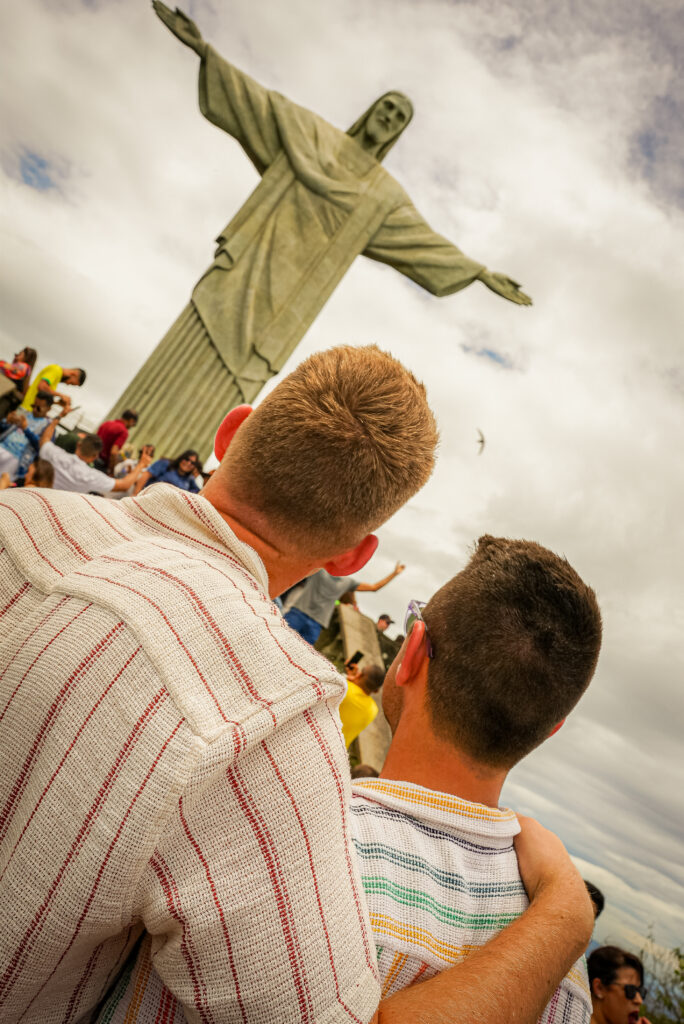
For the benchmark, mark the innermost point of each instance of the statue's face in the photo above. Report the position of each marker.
(388, 118)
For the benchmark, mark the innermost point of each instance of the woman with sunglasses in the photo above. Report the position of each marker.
(180, 472)
(616, 979)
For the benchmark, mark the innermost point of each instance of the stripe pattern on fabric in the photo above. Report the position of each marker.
(441, 878)
(172, 764)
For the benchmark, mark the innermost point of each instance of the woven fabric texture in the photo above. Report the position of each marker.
(172, 767)
(441, 878)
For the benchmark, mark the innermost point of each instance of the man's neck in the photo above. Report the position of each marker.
(417, 755)
(283, 569)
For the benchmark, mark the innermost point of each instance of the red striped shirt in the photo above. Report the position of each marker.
(171, 765)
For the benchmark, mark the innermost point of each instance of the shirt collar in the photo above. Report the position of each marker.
(441, 809)
(192, 518)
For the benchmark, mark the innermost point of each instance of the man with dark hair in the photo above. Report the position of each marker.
(389, 648)
(488, 670)
(48, 379)
(598, 900)
(76, 472)
(114, 434)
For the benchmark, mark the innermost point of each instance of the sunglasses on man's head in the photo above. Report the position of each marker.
(413, 615)
(631, 990)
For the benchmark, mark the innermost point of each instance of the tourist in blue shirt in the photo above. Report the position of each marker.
(179, 472)
(20, 441)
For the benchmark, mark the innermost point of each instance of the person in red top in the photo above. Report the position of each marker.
(114, 434)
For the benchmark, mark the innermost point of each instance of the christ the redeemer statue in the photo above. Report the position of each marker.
(323, 199)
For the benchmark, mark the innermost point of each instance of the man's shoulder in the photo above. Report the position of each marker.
(193, 595)
(328, 587)
(359, 698)
(75, 470)
(59, 457)
(431, 813)
(93, 478)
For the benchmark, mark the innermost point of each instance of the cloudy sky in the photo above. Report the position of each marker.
(546, 143)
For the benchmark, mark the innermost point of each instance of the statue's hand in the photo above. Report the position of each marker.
(180, 25)
(506, 287)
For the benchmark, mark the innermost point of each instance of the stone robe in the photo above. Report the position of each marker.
(322, 201)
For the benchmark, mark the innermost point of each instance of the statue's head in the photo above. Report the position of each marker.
(379, 128)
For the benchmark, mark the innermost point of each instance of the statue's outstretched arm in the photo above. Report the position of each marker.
(228, 97)
(181, 26)
(407, 242)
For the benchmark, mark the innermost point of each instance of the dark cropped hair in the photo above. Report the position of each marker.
(129, 414)
(46, 397)
(374, 676)
(90, 445)
(606, 961)
(516, 637)
(81, 376)
(596, 897)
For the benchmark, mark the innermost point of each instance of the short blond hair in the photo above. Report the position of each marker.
(335, 449)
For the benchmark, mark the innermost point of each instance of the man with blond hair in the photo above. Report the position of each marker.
(173, 767)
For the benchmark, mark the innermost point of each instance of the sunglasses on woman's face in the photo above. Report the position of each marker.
(631, 990)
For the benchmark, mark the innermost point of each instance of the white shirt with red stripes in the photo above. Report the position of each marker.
(172, 764)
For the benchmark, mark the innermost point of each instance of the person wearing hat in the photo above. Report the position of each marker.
(388, 648)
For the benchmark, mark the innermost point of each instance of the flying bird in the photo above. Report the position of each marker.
(481, 442)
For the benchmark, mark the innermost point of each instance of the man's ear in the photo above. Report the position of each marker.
(414, 656)
(556, 728)
(229, 425)
(597, 988)
(353, 560)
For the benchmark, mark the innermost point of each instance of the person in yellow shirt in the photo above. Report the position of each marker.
(358, 709)
(47, 380)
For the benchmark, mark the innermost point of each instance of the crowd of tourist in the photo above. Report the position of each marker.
(180, 832)
(31, 411)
